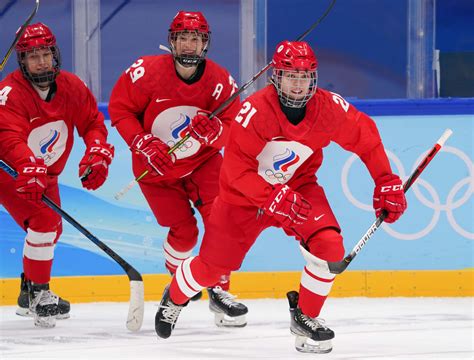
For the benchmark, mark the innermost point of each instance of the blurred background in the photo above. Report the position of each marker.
(367, 48)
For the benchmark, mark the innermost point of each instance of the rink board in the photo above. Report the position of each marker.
(255, 285)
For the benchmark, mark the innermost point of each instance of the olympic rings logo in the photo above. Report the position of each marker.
(434, 204)
(183, 147)
(279, 176)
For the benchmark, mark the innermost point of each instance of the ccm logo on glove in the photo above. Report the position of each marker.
(391, 188)
(287, 206)
(103, 151)
(153, 152)
(94, 166)
(32, 180)
(278, 198)
(34, 170)
(389, 197)
(140, 140)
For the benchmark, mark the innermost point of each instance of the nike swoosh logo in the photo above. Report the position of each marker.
(33, 119)
(160, 100)
(316, 218)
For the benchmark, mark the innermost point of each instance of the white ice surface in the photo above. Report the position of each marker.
(393, 328)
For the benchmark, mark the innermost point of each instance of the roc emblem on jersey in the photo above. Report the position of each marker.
(279, 160)
(48, 141)
(170, 126)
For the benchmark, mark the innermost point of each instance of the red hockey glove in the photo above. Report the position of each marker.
(154, 152)
(203, 129)
(287, 206)
(31, 181)
(94, 166)
(389, 196)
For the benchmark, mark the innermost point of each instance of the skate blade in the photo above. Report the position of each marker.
(23, 312)
(45, 321)
(306, 345)
(197, 297)
(222, 320)
(27, 313)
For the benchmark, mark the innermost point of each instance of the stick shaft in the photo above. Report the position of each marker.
(19, 34)
(338, 267)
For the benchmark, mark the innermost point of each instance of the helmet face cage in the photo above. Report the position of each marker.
(45, 77)
(295, 74)
(188, 60)
(36, 37)
(295, 88)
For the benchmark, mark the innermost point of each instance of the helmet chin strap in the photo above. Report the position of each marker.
(188, 61)
(186, 72)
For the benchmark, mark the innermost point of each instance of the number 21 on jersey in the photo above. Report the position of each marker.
(245, 114)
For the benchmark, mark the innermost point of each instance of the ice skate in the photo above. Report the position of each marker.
(311, 334)
(43, 304)
(24, 302)
(167, 315)
(228, 313)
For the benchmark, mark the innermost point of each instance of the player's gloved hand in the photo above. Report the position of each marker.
(32, 180)
(287, 206)
(94, 166)
(203, 129)
(154, 152)
(389, 196)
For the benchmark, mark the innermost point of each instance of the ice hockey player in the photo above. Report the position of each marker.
(154, 104)
(268, 178)
(40, 106)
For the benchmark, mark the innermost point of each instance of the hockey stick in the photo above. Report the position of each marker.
(136, 308)
(338, 267)
(131, 184)
(19, 34)
(225, 103)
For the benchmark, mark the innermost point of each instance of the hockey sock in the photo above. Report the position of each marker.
(316, 283)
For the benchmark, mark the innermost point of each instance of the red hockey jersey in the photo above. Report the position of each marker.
(30, 126)
(151, 97)
(265, 148)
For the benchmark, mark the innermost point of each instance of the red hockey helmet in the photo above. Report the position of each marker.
(295, 60)
(189, 21)
(38, 36)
